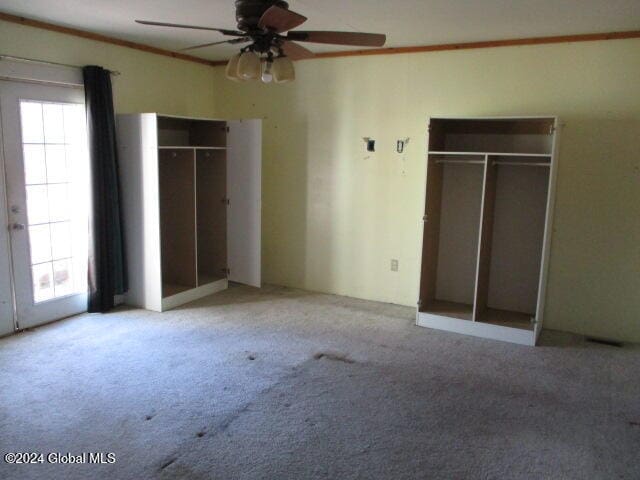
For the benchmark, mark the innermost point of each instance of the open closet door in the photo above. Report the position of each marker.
(244, 190)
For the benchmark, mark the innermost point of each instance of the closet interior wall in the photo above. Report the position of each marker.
(193, 213)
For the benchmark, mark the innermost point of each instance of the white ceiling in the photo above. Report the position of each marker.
(406, 22)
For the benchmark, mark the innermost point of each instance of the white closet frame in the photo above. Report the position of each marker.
(141, 145)
(458, 152)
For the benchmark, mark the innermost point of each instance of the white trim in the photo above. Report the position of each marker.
(476, 329)
(6, 258)
(34, 72)
(194, 294)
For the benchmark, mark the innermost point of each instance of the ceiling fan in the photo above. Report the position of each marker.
(262, 24)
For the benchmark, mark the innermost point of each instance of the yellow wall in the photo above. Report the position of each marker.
(334, 215)
(149, 83)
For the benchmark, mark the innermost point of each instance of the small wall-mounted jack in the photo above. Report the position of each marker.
(371, 144)
(400, 146)
(395, 265)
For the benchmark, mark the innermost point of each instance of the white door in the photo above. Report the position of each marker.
(47, 193)
(244, 189)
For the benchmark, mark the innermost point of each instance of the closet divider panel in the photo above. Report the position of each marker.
(177, 220)
(211, 213)
(486, 237)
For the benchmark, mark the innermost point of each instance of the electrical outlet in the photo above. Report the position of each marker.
(394, 265)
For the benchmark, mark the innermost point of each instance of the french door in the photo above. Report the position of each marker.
(47, 199)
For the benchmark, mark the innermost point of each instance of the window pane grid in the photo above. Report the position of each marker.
(55, 201)
(46, 184)
(49, 261)
(48, 223)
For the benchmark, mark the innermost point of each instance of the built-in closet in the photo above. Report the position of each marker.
(191, 191)
(487, 226)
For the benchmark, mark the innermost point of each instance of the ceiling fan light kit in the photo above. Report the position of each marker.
(269, 56)
(267, 73)
(283, 70)
(232, 68)
(249, 66)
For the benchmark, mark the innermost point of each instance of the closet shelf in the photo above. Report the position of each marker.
(164, 147)
(523, 164)
(461, 311)
(507, 318)
(491, 154)
(461, 162)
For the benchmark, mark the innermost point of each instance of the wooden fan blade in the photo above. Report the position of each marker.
(295, 51)
(280, 19)
(231, 42)
(233, 33)
(340, 38)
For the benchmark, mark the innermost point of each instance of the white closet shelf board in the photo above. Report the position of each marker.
(169, 303)
(164, 147)
(461, 311)
(507, 318)
(492, 154)
(476, 329)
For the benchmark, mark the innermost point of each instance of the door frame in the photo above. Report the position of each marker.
(7, 297)
(22, 70)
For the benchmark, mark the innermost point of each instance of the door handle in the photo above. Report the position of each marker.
(17, 226)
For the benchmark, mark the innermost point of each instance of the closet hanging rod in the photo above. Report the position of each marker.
(523, 164)
(462, 162)
(45, 62)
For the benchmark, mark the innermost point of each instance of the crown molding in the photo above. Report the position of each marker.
(588, 37)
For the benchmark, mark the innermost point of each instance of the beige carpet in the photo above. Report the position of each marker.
(285, 384)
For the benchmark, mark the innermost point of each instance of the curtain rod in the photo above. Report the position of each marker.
(45, 62)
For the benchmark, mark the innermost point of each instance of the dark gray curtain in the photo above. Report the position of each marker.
(107, 266)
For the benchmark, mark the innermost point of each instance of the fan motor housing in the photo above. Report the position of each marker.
(248, 12)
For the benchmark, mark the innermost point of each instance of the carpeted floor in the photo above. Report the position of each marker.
(285, 384)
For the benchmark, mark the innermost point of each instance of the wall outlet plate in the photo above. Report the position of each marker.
(395, 265)
(371, 146)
